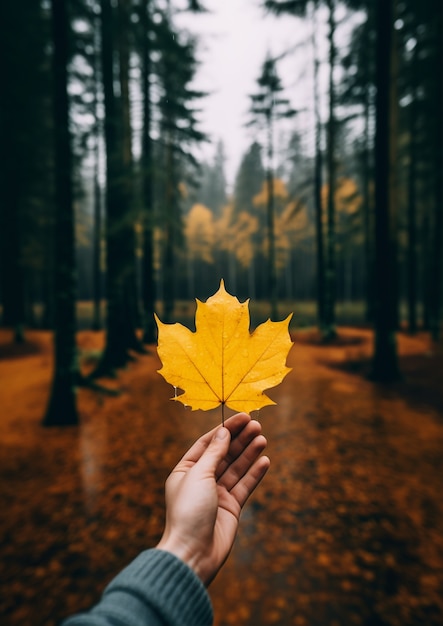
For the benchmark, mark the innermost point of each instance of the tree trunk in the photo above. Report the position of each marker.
(12, 144)
(11, 269)
(437, 240)
(426, 269)
(330, 283)
(385, 364)
(169, 235)
(318, 165)
(62, 409)
(130, 296)
(272, 275)
(368, 221)
(148, 276)
(412, 209)
(96, 270)
(367, 173)
(116, 352)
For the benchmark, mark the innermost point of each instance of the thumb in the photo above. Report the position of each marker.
(216, 450)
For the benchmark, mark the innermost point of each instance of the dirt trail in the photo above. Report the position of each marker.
(346, 528)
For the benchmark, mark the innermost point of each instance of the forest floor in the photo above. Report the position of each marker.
(346, 529)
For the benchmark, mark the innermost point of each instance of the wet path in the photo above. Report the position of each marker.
(346, 528)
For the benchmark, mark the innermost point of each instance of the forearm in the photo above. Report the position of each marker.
(155, 589)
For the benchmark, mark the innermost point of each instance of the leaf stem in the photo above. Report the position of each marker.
(223, 413)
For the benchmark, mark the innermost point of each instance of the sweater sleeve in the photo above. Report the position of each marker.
(156, 589)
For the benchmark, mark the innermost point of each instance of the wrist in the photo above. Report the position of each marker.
(185, 553)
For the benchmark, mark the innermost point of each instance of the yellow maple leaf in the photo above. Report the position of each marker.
(221, 362)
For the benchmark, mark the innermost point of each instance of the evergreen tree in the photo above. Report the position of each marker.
(358, 90)
(326, 281)
(62, 409)
(117, 267)
(412, 265)
(318, 183)
(178, 132)
(299, 8)
(267, 107)
(249, 179)
(130, 297)
(26, 199)
(248, 182)
(385, 364)
(148, 286)
(329, 331)
(121, 291)
(97, 235)
(212, 187)
(437, 242)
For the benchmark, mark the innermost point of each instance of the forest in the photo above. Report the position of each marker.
(110, 214)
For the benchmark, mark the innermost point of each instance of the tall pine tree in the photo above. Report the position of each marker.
(62, 409)
(267, 106)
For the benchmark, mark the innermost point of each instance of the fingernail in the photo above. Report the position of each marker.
(221, 433)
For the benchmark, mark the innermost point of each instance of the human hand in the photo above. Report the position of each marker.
(206, 491)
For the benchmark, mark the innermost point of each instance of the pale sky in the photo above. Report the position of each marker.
(235, 38)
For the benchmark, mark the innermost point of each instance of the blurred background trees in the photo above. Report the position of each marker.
(267, 107)
(341, 206)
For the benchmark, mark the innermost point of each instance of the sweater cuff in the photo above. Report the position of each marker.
(163, 582)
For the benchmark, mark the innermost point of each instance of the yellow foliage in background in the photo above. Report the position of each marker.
(347, 197)
(279, 190)
(200, 233)
(244, 235)
(235, 234)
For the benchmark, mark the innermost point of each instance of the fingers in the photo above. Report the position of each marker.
(242, 464)
(214, 453)
(234, 424)
(238, 444)
(231, 459)
(246, 485)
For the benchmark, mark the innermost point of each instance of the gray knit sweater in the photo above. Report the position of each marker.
(156, 589)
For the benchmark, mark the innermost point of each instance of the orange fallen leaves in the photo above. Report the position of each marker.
(355, 476)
